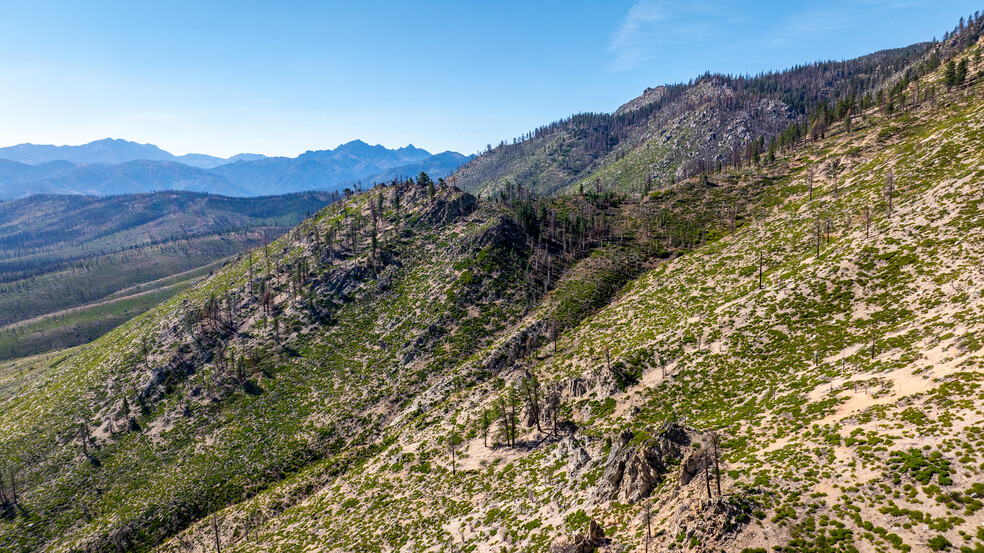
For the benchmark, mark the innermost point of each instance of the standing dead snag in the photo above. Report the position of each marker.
(485, 421)
(716, 454)
(514, 400)
(215, 530)
(452, 445)
(647, 517)
(533, 398)
(707, 476)
(507, 405)
(503, 408)
(818, 236)
(84, 437)
(554, 334)
(13, 484)
(760, 269)
(552, 402)
(889, 191)
(708, 458)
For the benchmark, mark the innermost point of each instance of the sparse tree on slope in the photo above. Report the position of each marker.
(552, 403)
(533, 398)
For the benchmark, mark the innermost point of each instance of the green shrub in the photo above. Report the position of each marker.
(939, 543)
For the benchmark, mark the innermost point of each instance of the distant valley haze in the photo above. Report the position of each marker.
(117, 166)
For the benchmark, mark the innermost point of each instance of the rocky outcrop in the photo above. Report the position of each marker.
(713, 522)
(637, 464)
(575, 387)
(578, 460)
(583, 543)
(596, 534)
(445, 210)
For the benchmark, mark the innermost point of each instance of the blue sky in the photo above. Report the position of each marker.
(283, 77)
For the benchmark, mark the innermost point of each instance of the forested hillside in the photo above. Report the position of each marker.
(674, 132)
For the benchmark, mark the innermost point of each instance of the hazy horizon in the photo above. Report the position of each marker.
(228, 78)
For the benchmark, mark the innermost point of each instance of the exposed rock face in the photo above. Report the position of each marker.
(447, 210)
(575, 387)
(583, 543)
(578, 460)
(634, 469)
(691, 467)
(343, 281)
(714, 522)
(596, 534)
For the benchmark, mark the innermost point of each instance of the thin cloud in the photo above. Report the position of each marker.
(652, 24)
(635, 39)
(828, 21)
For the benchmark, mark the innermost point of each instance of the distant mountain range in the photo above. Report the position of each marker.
(112, 151)
(113, 166)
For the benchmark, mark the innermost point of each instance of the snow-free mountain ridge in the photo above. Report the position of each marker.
(113, 166)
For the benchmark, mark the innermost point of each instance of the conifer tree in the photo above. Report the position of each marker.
(950, 74)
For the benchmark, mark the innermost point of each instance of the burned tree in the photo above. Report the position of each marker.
(533, 399)
(552, 403)
(484, 422)
(889, 191)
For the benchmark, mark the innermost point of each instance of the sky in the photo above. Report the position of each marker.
(280, 78)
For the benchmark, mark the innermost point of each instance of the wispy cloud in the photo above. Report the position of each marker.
(828, 21)
(635, 40)
(719, 28)
(652, 24)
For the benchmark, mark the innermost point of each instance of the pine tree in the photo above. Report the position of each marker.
(950, 74)
(960, 74)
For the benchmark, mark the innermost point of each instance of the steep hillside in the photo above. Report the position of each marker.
(676, 131)
(782, 356)
(829, 347)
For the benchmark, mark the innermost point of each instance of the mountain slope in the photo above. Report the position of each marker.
(845, 386)
(108, 151)
(681, 130)
(784, 355)
(134, 177)
(15, 178)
